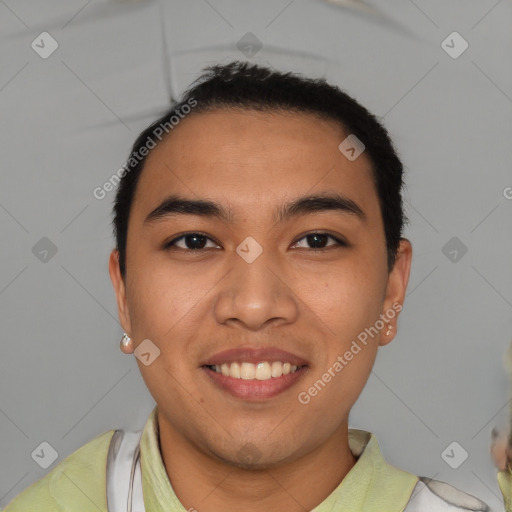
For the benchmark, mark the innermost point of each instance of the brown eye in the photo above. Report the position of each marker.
(319, 241)
(191, 242)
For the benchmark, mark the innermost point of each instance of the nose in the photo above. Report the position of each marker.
(256, 294)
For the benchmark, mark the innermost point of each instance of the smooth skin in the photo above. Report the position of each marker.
(310, 301)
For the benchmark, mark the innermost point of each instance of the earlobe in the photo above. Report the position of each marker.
(120, 291)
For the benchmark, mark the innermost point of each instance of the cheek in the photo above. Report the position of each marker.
(340, 382)
(159, 298)
(347, 300)
(348, 304)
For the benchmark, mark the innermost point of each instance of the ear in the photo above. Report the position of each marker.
(395, 290)
(120, 290)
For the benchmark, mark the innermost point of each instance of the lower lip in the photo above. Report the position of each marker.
(255, 389)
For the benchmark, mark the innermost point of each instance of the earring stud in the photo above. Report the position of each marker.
(125, 340)
(388, 332)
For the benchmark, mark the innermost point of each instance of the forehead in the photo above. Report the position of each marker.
(248, 155)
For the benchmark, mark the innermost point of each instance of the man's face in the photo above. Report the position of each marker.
(224, 302)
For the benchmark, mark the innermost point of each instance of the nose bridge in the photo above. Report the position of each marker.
(253, 276)
(254, 292)
(252, 279)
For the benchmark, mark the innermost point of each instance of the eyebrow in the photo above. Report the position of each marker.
(175, 205)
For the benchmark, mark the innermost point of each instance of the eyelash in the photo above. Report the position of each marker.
(169, 245)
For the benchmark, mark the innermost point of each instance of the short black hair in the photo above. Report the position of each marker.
(245, 86)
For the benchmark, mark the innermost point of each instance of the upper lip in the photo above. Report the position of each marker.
(254, 355)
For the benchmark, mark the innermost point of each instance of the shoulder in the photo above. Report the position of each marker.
(435, 496)
(76, 483)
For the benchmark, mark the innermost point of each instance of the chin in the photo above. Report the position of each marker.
(255, 457)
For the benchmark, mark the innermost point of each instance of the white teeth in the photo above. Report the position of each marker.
(277, 369)
(234, 371)
(263, 371)
(249, 371)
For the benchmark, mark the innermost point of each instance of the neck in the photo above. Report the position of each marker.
(206, 484)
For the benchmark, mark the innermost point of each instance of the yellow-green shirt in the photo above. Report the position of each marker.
(78, 482)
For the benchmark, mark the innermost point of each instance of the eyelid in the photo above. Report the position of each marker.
(340, 242)
(172, 242)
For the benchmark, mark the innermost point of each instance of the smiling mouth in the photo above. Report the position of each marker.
(264, 370)
(254, 374)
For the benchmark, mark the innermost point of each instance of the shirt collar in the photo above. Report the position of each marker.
(371, 485)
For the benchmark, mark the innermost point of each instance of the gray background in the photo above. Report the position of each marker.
(67, 123)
